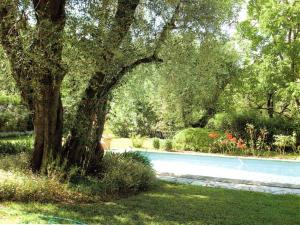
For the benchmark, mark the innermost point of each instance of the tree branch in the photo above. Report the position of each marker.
(126, 69)
(154, 57)
(124, 17)
(167, 29)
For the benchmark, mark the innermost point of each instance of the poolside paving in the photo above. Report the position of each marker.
(273, 188)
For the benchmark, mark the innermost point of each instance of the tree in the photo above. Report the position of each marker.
(37, 69)
(126, 43)
(272, 67)
(115, 36)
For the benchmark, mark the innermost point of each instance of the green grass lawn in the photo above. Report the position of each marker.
(168, 204)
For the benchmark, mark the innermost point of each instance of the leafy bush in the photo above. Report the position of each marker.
(236, 123)
(124, 175)
(221, 121)
(137, 141)
(168, 144)
(193, 139)
(284, 141)
(156, 143)
(9, 147)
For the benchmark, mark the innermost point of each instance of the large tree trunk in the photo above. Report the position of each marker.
(48, 124)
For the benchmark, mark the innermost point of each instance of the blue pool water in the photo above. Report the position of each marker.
(226, 167)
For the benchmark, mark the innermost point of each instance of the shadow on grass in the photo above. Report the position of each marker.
(172, 204)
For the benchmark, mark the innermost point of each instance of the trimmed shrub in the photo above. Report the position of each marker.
(15, 134)
(137, 141)
(156, 143)
(168, 145)
(194, 139)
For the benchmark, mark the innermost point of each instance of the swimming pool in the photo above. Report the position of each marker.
(267, 171)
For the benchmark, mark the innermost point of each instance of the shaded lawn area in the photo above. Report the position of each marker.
(168, 204)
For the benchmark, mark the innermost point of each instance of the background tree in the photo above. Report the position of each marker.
(181, 92)
(272, 67)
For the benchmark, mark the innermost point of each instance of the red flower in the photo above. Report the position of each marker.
(229, 136)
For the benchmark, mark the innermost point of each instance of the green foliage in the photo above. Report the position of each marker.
(16, 135)
(193, 139)
(156, 143)
(19, 186)
(284, 141)
(137, 141)
(124, 174)
(271, 44)
(17, 162)
(8, 147)
(133, 111)
(237, 123)
(13, 115)
(221, 121)
(9, 99)
(168, 145)
(137, 156)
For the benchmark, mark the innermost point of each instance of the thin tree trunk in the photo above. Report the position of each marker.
(270, 105)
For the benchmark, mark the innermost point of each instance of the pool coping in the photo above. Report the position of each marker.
(272, 188)
(232, 181)
(210, 154)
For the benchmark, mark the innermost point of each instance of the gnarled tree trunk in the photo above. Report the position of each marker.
(82, 147)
